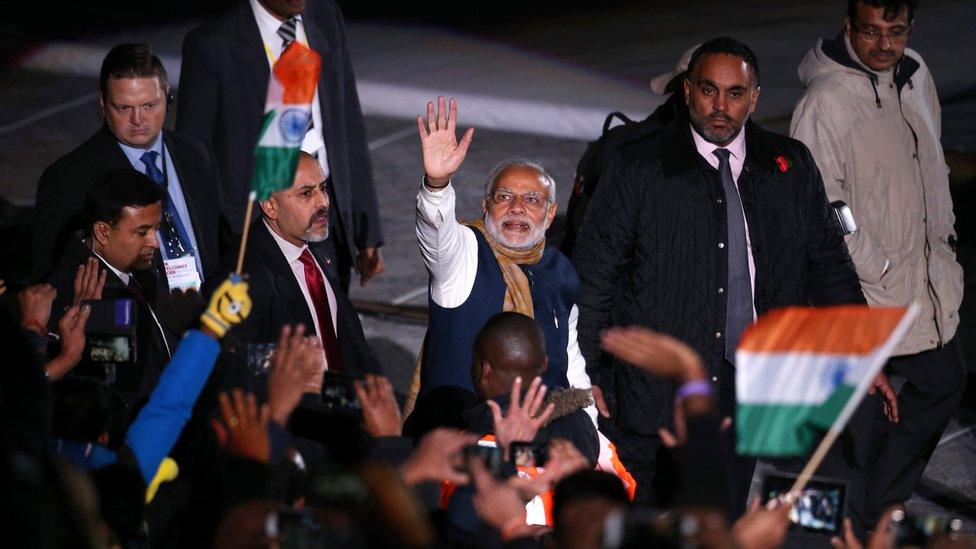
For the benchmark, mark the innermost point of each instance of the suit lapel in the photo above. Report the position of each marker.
(252, 54)
(192, 194)
(116, 159)
(285, 286)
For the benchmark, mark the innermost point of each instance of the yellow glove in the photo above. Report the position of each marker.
(229, 305)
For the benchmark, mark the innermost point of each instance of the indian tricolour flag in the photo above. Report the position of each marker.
(800, 371)
(287, 115)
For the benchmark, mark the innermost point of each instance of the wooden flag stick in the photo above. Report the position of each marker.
(816, 459)
(247, 227)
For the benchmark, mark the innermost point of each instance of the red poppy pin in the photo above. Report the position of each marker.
(782, 163)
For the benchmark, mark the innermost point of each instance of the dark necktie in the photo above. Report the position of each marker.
(320, 299)
(287, 31)
(176, 240)
(738, 309)
(136, 290)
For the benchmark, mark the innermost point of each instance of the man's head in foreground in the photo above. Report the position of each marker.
(300, 213)
(519, 203)
(721, 89)
(123, 210)
(509, 345)
(132, 94)
(879, 29)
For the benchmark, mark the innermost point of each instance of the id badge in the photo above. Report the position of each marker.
(181, 273)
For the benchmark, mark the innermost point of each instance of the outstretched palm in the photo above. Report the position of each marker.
(443, 154)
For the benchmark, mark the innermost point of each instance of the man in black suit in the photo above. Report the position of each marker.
(289, 285)
(223, 84)
(133, 100)
(122, 212)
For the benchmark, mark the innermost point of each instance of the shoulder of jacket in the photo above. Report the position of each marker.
(77, 157)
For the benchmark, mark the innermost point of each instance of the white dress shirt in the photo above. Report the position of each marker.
(292, 253)
(124, 277)
(268, 24)
(450, 252)
(737, 157)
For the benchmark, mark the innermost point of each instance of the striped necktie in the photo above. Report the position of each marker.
(288, 31)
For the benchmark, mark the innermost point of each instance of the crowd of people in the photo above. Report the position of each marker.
(160, 392)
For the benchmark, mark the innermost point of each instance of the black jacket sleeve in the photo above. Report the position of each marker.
(831, 277)
(198, 93)
(603, 251)
(366, 227)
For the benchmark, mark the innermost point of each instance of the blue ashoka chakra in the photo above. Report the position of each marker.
(293, 125)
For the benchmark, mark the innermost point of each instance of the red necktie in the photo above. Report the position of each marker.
(320, 299)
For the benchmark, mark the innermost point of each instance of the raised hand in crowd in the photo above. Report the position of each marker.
(525, 415)
(658, 354)
(35, 307)
(438, 458)
(663, 356)
(89, 281)
(564, 460)
(763, 526)
(229, 305)
(888, 395)
(442, 152)
(243, 427)
(498, 503)
(881, 538)
(289, 378)
(71, 328)
(381, 413)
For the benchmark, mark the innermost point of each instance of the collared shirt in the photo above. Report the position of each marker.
(450, 252)
(292, 253)
(268, 24)
(737, 158)
(173, 187)
(124, 277)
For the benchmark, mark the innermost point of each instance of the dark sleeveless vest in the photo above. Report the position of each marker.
(451, 332)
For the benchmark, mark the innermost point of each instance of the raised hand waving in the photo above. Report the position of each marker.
(442, 152)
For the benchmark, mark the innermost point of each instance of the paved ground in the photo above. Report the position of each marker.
(43, 115)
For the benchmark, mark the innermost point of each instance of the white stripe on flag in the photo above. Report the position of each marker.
(795, 378)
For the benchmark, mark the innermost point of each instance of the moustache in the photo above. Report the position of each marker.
(321, 213)
(719, 116)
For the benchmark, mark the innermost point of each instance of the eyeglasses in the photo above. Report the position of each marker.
(505, 197)
(871, 35)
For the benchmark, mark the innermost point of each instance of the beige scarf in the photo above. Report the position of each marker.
(518, 295)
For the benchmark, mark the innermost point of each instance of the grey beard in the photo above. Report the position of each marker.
(496, 234)
(311, 238)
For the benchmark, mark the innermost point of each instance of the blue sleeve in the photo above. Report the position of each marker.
(157, 427)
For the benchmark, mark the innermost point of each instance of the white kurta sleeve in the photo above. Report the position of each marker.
(576, 364)
(450, 250)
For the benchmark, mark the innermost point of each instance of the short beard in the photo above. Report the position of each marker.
(310, 238)
(698, 122)
(537, 235)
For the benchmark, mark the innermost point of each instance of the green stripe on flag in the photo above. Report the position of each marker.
(274, 170)
(786, 429)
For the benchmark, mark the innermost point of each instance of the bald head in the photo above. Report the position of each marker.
(300, 213)
(509, 345)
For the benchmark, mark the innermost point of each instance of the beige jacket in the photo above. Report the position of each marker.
(875, 137)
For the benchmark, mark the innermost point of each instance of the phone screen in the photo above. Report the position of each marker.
(820, 507)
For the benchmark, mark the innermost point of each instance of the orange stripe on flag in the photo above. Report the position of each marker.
(298, 70)
(843, 329)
